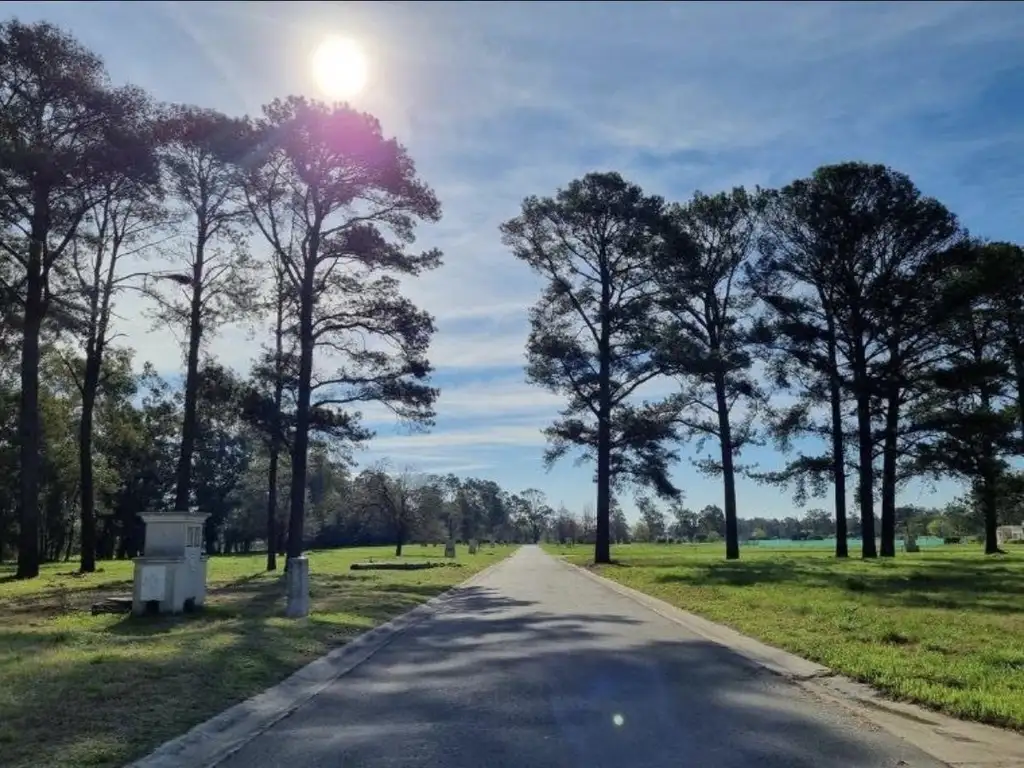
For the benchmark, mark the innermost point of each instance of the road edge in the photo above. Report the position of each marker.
(215, 740)
(958, 743)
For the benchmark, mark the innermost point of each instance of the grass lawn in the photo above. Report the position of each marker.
(943, 628)
(83, 690)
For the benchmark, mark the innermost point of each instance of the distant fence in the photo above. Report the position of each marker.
(853, 543)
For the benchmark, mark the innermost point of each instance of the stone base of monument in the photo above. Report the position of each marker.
(118, 604)
(168, 585)
(449, 549)
(297, 588)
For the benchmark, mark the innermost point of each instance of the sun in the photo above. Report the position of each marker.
(339, 68)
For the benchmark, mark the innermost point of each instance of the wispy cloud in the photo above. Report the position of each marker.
(488, 436)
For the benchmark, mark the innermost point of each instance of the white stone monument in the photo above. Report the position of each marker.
(170, 576)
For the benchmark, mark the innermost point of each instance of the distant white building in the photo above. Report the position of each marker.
(1006, 533)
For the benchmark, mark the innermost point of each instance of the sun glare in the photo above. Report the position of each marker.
(339, 68)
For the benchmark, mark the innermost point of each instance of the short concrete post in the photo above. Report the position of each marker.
(297, 583)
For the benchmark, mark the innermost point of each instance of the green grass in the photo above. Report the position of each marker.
(83, 690)
(943, 628)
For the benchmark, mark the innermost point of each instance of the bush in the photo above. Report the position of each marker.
(951, 540)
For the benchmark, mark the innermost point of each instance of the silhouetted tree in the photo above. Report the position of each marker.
(62, 134)
(202, 154)
(968, 402)
(706, 339)
(327, 188)
(592, 332)
(125, 219)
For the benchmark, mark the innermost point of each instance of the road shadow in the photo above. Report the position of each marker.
(500, 682)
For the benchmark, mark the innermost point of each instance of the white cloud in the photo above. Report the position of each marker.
(498, 399)
(471, 350)
(501, 400)
(500, 435)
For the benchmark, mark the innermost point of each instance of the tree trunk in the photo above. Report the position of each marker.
(838, 445)
(1018, 370)
(889, 456)
(272, 507)
(866, 449)
(602, 542)
(989, 502)
(90, 385)
(865, 489)
(275, 426)
(105, 541)
(399, 537)
(732, 539)
(69, 545)
(300, 445)
(29, 426)
(189, 427)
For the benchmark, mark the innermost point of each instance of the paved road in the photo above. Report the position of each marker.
(540, 667)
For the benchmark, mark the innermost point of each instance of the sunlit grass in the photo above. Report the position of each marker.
(83, 690)
(943, 628)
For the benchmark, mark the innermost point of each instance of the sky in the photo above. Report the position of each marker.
(497, 101)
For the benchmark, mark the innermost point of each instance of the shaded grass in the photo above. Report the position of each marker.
(943, 628)
(83, 690)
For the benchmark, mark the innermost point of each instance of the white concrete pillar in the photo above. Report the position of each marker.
(297, 583)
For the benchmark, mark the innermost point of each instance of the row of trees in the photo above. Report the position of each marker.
(961, 519)
(137, 446)
(845, 310)
(958, 520)
(300, 221)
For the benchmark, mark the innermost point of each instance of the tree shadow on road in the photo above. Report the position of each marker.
(496, 681)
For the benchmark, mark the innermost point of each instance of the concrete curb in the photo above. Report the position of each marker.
(210, 743)
(957, 743)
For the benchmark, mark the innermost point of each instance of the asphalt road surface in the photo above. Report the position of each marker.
(539, 667)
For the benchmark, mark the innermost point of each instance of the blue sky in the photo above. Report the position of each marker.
(500, 100)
